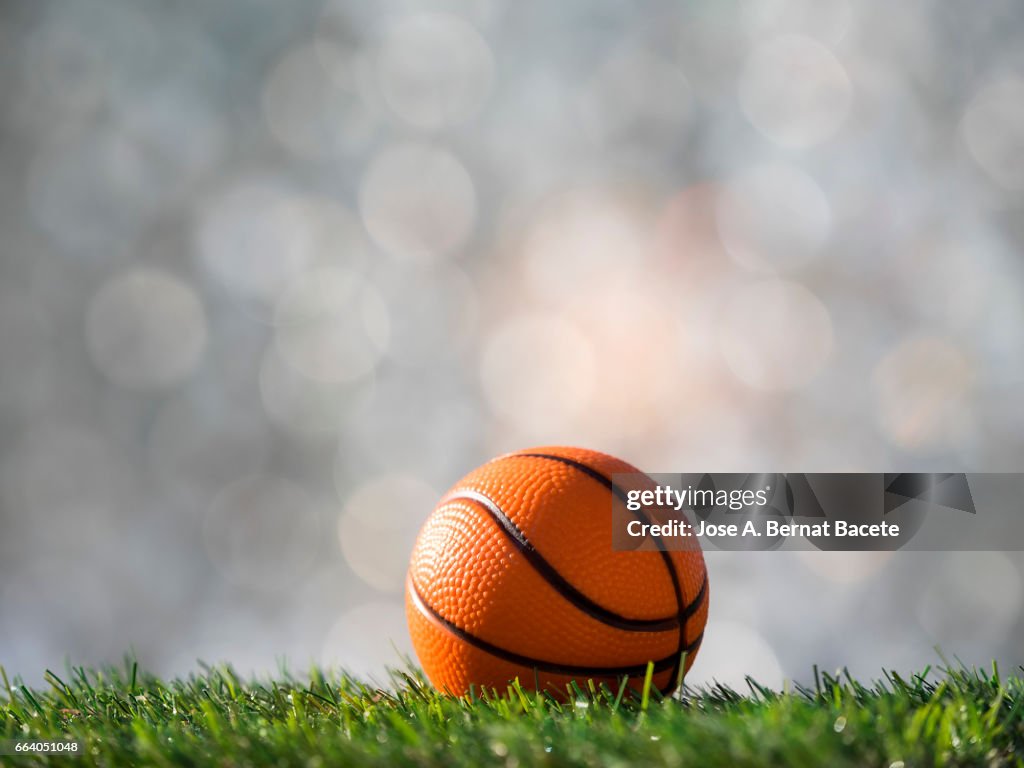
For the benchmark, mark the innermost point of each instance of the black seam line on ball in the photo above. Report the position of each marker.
(570, 670)
(551, 575)
(673, 575)
(692, 607)
(695, 644)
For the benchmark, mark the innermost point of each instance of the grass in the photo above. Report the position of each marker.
(955, 716)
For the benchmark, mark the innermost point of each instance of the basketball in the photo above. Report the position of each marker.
(513, 576)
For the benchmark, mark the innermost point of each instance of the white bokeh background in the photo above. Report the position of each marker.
(273, 276)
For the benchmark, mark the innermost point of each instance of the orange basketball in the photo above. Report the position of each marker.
(514, 576)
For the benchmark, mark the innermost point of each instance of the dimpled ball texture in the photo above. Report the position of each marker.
(514, 576)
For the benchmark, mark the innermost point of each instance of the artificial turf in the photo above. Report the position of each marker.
(952, 716)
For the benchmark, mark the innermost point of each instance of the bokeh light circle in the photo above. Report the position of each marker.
(795, 91)
(332, 325)
(256, 238)
(434, 69)
(825, 20)
(306, 406)
(582, 237)
(308, 112)
(253, 239)
(146, 329)
(773, 217)
(993, 129)
(537, 371)
(417, 202)
(378, 527)
(922, 388)
(774, 334)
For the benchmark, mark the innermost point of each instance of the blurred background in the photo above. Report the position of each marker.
(273, 276)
